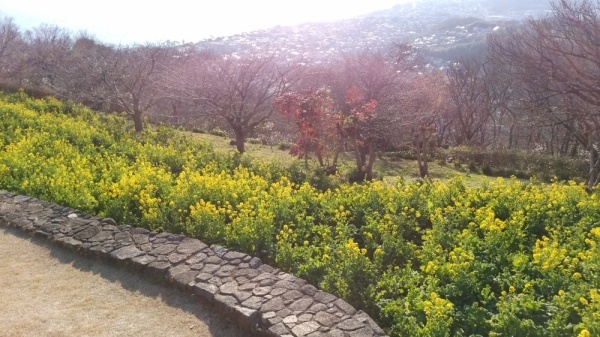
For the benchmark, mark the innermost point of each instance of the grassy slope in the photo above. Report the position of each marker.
(391, 170)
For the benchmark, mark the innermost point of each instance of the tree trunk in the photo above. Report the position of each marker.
(359, 163)
(594, 175)
(137, 121)
(371, 161)
(422, 158)
(240, 140)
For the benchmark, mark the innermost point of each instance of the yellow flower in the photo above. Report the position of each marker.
(584, 333)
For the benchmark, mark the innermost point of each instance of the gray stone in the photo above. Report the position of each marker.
(305, 328)
(317, 307)
(229, 288)
(162, 249)
(246, 286)
(102, 236)
(309, 290)
(69, 242)
(261, 291)
(301, 304)
(158, 268)
(350, 325)
(146, 247)
(140, 239)
(284, 312)
(247, 272)
(245, 316)
(49, 228)
(175, 258)
(278, 291)
(326, 319)
(214, 260)
(231, 255)
(205, 290)
(363, 332)
(182, 279)
(203, 277)
(126, 252)
(138, 231)
(226, 303)
(292, 295)
(217, 281)
(268, 315)
(255, 262)
(190, 246)
(318, 334)
(265, 268)
(305, 318)
(225, 271)
(279, 329)
(110, 228)
(345, 307)
(286, 284)
(123, 238)
(200, 257)
(253, 302)
(143, 260)
(273, 304)
(108, 221)
(87, 233)
(176, 237)
(266, 282)
(291, 319)
(324, 297)
(210, 268)
(198, 266)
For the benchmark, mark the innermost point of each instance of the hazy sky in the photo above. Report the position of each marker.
(127, 21)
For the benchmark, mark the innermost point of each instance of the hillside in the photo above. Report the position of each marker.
(444, 30)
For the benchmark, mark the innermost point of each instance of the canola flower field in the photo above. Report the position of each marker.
(426, 258)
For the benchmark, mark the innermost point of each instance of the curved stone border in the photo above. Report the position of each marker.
(262, 299)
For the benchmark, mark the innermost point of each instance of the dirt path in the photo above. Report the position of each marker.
(46, 290)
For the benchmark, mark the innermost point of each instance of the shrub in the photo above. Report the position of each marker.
(507, 163)
(218, 132)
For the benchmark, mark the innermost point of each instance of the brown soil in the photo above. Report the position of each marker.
(46, 290)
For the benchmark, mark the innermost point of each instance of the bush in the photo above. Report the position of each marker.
(283, 146)
(507, 163)
(218, 132)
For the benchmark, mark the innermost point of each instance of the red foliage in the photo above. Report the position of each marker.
(315, 120)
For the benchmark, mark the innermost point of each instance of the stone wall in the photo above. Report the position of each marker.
(262, 299)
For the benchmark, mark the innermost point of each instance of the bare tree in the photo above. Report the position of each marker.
(11, 50)
(240, 91)
(129, 77)
(556, 60)
(47, 47)
(472, 104)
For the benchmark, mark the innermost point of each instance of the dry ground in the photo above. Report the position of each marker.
(46, 290)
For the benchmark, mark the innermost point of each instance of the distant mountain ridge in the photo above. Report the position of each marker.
(444, 29)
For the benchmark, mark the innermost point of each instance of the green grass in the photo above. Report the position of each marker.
(390, 169)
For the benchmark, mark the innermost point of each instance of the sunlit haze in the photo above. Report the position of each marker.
(125, 21)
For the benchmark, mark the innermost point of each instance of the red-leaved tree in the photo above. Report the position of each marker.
(316, 122)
